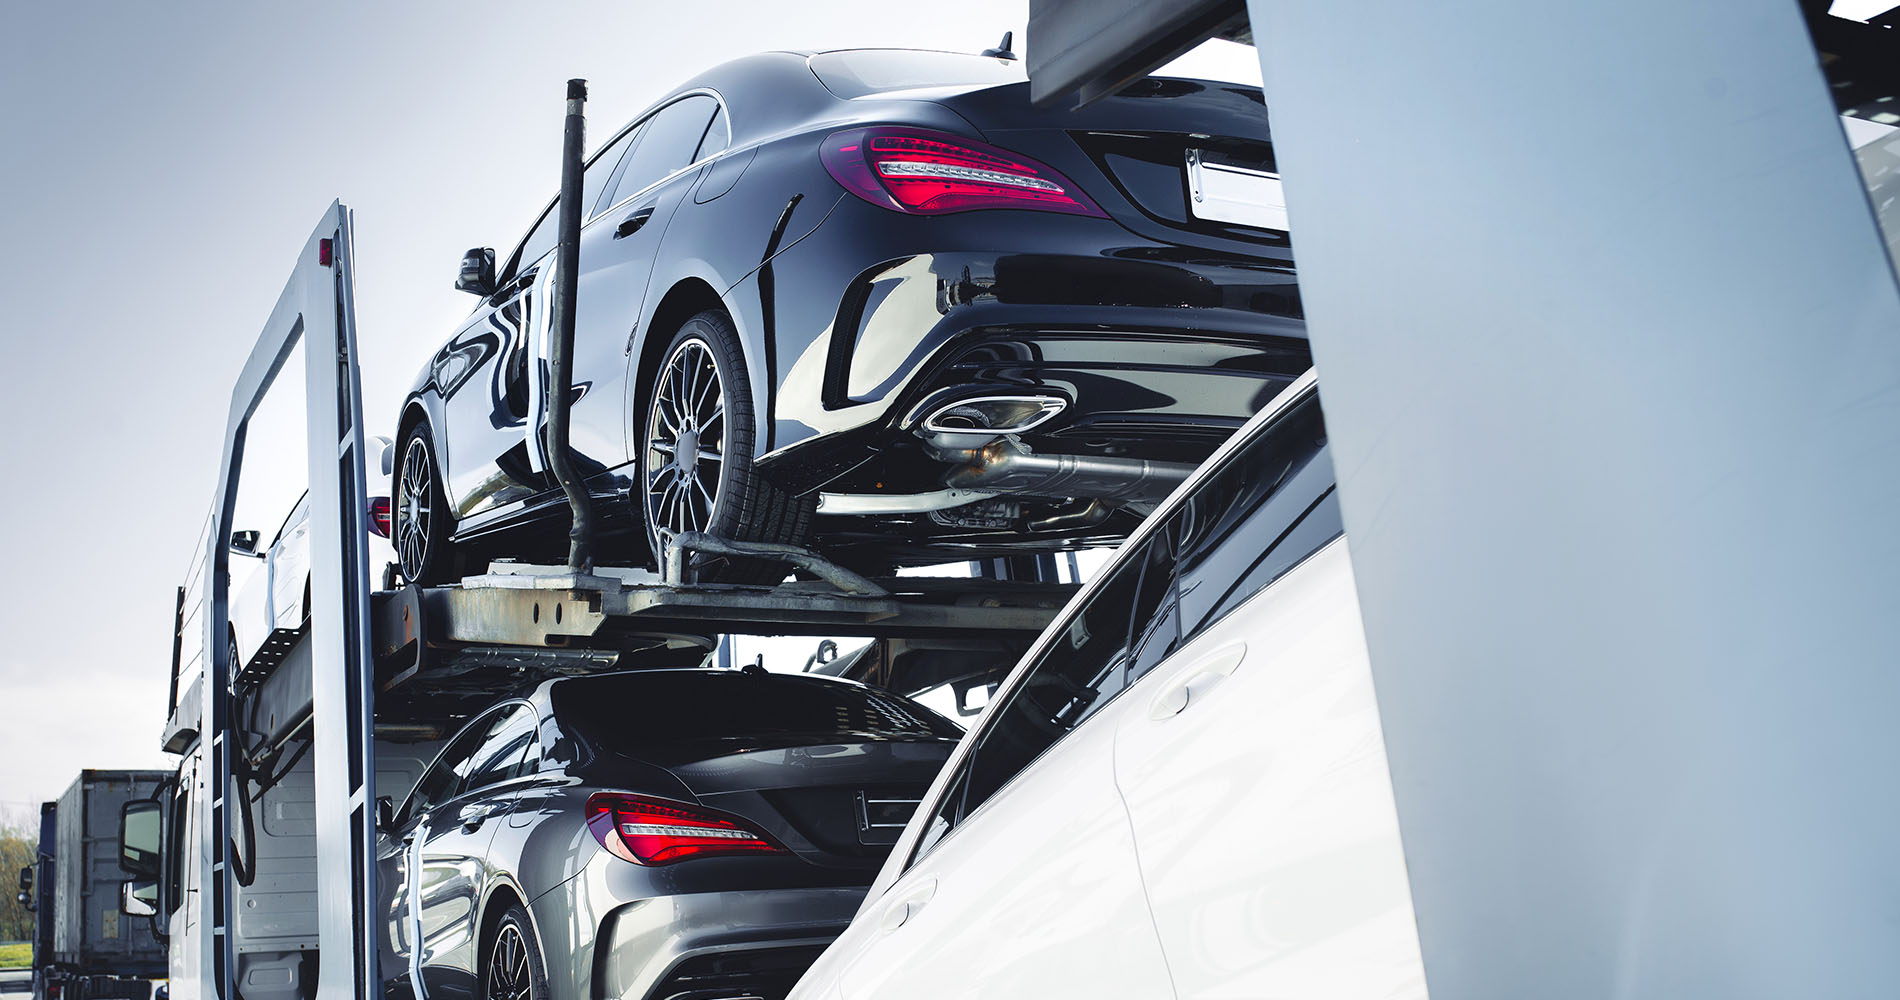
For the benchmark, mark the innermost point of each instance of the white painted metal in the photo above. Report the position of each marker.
(1037, 895)
(1249, 791)
(315, 309)
(1257, 789)
(1258, 811)
(1611, 354)
(342, 702)
(184, 963)
(897, 503)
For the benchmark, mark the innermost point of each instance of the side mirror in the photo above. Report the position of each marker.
(139, 899)
(478, 272)
(244, 543)
(974, 699)
(385, 814)
(827, 652)
(26, 879)
(385, 451)
(139, 840)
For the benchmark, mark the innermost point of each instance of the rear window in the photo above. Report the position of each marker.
(869, 71)
(635, 714)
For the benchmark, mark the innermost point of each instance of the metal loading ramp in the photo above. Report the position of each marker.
(564, 610)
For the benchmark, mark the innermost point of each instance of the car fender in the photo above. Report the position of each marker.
(422, 406)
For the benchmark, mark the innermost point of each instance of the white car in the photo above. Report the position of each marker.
(1182, 790)
(272, 602)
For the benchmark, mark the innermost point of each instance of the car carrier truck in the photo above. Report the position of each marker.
(85, 943)
(261, 853)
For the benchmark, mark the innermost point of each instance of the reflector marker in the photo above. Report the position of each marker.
(661, 830)
(915, 168)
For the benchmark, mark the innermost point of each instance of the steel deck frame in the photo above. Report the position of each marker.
(524, 621)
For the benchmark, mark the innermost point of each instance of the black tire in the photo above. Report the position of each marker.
(512, 968)
(420, 522)
(700, 396)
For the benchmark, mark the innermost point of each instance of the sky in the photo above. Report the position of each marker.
(162, 166)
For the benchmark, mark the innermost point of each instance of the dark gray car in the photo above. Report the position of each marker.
(652, 834)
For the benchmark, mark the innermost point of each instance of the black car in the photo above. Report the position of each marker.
(659, 833)
(873, 300)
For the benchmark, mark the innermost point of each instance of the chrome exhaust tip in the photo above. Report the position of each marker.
(995, 414)
(964, 425)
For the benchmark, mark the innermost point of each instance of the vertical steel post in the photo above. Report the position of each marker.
(567, 255)
(315, 308)
(342, 686)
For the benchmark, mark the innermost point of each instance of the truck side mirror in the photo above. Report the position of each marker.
(385, 814)
(139, 840)
(138, 899)
(244, 543)
(478, 272)
(26, 879)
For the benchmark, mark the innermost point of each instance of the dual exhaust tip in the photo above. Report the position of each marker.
(969, 424)
(976, 434)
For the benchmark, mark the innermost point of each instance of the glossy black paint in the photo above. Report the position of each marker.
(1164, 333)
(447, 867)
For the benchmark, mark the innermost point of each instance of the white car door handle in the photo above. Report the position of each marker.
(1202, 678)
(908, 903)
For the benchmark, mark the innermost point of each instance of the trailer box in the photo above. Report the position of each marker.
(97, 951)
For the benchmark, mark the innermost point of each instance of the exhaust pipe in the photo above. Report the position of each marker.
(1004, 466)
(979, 436)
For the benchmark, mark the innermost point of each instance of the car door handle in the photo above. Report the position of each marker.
(908, 903)
(474, 816)
(632, 223)
(1202, 678)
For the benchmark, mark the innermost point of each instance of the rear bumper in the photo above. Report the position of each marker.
(1153, 345)
(748, 941)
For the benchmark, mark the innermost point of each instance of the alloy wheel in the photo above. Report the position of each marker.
(413, 508)
(687, 438)
(509, 977)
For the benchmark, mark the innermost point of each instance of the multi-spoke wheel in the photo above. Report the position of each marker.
(688, 439)
(513, 970)
(696, 459)
(422, 520)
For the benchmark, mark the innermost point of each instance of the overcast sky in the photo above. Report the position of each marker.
(163, 163)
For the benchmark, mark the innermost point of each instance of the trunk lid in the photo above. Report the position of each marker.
(1130, 152)
(836, 803)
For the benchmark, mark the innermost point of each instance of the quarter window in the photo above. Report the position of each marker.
(668, 141)
(601, 170)
(1268, 506)
(504, 754)
(445, 778)
(718, 136)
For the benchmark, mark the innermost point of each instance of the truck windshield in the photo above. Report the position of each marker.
(647, 714)
(858, 72)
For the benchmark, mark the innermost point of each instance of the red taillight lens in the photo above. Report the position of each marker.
(649, 831)
(379, 516)
(933, 173)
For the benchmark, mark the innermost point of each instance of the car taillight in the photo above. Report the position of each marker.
(650, 831)
(932, 173)
(379, 516)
